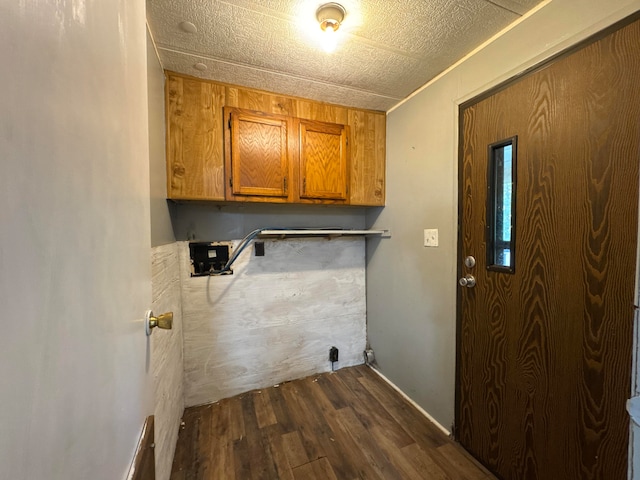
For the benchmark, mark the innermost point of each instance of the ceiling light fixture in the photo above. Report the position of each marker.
(330, 15)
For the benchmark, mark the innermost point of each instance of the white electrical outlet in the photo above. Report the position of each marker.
(430, 237)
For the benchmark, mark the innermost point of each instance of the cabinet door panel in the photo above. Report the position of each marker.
(195, 163)
(367, 158)
(259, 159)
(323, 160)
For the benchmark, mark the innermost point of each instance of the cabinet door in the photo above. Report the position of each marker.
(257, 154)
(367, 158)
(195, 162)
(323, 160)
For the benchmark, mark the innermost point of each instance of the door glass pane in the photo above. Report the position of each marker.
(500, 206)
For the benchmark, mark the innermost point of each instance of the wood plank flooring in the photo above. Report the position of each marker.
(344, 425)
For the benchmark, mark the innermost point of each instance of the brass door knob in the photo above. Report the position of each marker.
(164, 321)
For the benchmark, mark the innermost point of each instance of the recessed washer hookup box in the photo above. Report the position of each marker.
(207, 258)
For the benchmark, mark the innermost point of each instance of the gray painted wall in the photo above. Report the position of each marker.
(161, 229)
(228, 222)
(411, 290)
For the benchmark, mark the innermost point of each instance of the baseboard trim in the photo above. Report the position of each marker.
(408, 399)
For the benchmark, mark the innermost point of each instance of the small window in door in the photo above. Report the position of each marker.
(501, 201)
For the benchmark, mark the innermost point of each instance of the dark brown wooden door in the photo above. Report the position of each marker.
(544, 352)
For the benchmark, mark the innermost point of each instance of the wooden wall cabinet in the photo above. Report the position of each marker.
(229, 143)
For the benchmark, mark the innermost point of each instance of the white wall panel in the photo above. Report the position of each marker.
(166, 355)
(275, 318)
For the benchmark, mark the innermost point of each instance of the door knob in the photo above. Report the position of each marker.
(468, 281)
(164, 321)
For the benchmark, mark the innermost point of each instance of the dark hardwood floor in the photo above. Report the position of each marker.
(344, 425)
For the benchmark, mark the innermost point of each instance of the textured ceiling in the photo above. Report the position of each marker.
(385, 49)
